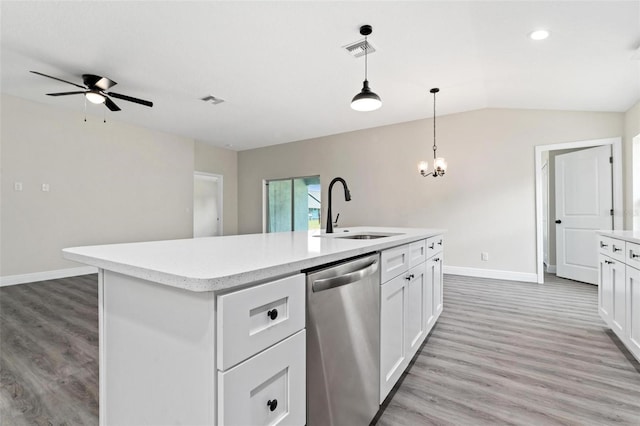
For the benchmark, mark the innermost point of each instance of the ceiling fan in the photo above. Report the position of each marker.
(95, 90)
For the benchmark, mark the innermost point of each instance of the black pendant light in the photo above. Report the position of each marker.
(366, 100)
(439, 163)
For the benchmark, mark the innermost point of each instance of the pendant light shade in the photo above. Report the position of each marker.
(366, 100)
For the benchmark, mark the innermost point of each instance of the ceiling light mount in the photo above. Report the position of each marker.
(439, 163)
(366, 100)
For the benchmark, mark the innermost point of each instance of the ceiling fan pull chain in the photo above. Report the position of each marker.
(85, 109)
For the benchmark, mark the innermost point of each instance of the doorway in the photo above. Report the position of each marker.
(541, 153)
(291, 204)
(207, 205)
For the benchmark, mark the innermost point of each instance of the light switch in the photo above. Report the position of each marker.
(17, 186)
(45, 187)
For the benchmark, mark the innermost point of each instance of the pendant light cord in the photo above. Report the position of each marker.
(366, 51)
(434, 126)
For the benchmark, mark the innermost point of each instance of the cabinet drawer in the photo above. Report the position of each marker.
(612, 247)
(251, 320)
(268, 389)
(633, 255)
(417, 253)
(393, 262)
(434, 245)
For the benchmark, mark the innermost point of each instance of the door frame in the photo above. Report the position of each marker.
(618, 216)
(220, 179)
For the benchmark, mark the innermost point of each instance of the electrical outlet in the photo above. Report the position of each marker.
(484, 256)
(17, 186)
(45, 187)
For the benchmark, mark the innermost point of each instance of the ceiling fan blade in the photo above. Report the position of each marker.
(59, 79)
(65, 93)
(110, 104)
(130, 99)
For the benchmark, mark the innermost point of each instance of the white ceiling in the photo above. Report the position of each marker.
(284, 76)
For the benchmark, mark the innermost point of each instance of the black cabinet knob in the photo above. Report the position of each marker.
(273, 314)
(440, 242)
(558, 221)
(603, 245)
(272, 404)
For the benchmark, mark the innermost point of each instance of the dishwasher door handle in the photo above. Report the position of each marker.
(351, 277)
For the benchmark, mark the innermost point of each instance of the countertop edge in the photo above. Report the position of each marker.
(628, 235)
(219, 283)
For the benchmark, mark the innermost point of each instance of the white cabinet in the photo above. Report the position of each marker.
(261, 351)
(619, 289)
(393, 321)
(410, 302)
(612, 303)
(633, 310)
(268, 389)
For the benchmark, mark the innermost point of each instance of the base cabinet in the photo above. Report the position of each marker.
(410, 303)
(619, 290)
(633, 310)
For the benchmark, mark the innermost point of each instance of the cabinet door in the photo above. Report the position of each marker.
(619, 306)
(416, 321)
(430, 279)
(393, 314)
(633, 311)
(268, 389)
(438, 296)
(605, 288)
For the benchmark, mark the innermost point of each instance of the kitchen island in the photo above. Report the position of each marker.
(203, 331)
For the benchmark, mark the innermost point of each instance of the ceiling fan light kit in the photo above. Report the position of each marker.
(366, 100)
(95, 91)
(439, 163)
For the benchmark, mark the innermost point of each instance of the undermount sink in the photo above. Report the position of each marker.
(363, 236)
(359, 236)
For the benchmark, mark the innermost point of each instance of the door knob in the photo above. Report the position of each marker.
(558, 221)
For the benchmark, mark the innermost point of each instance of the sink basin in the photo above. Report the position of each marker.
(359, 235)
(363, 237)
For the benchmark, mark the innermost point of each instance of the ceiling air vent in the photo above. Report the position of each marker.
(357, 49)
(212, 99)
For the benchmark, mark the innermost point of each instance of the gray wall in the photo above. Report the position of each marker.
(110, 182)
(486, 200)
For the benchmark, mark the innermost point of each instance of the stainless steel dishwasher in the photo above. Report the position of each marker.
(343, 343)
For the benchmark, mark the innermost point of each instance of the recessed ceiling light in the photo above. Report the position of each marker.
(539, 35)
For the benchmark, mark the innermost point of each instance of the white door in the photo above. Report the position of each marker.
(207, 205)
(584, 200)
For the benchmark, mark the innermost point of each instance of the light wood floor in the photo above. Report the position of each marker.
(505, 352)
(502, 352)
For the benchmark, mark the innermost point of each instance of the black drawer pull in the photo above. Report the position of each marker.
(633, 255)
(432, 246)
(273, 314)
(440, 242)
(272, 404)
(603, 245)
(608, 262)
(616, 248)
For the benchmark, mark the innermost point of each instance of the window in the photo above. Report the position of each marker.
(292, 204)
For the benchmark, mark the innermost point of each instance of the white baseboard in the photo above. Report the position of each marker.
(46, 275)
(491, 273)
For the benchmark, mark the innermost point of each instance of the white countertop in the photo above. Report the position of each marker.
(631, 236)
(217, 263)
